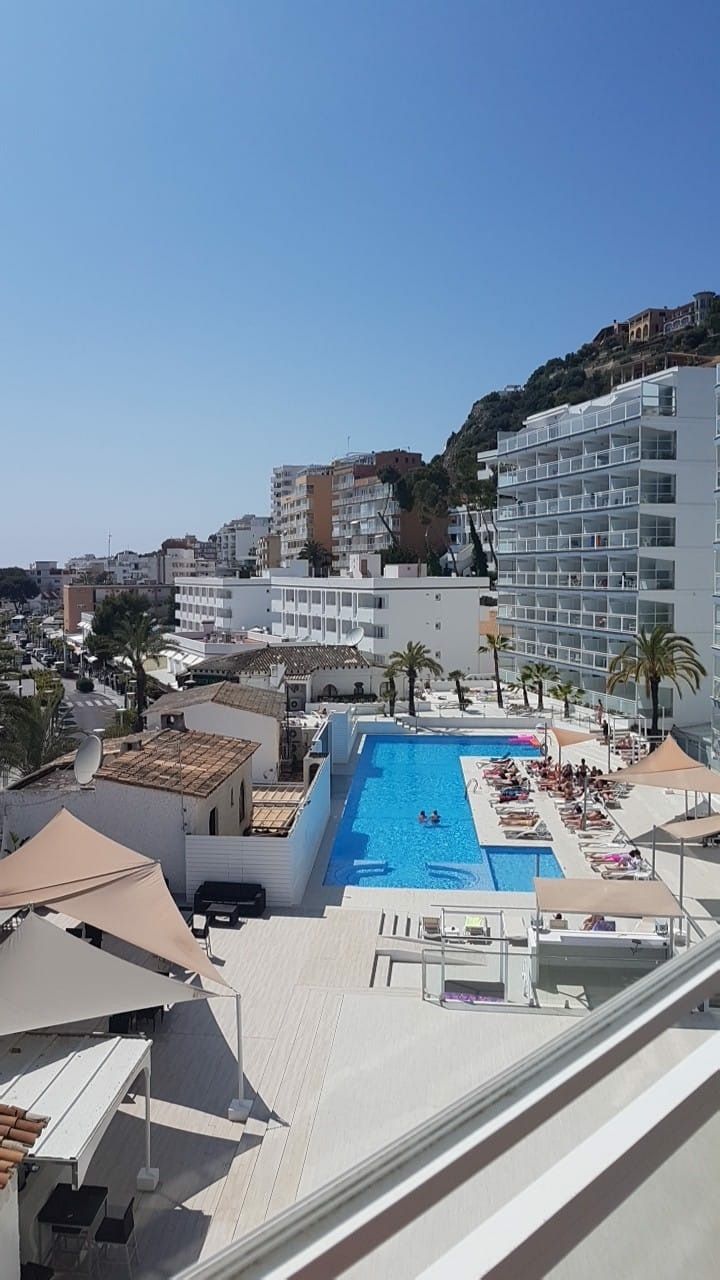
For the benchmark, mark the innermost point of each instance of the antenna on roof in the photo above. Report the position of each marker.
(355, 636)
(88, 759)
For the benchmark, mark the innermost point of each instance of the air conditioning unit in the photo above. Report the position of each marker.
(295, 703)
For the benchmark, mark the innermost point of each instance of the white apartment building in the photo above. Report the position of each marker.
(225, 606)
(184, 562)
(484, 520)
(450, 616)
(605, 517)
(237, 539)
(281, 482)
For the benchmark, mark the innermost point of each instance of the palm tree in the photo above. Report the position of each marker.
(568, 693)
(410, 662)
(458, 677)
(317, 556)
(390, 689)
(496, 645)
(139, 640)
(540, 674)
(524, 678)
(31, 735)
(659, 654)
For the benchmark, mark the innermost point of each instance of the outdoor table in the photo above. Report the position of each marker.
(76, 1210)
(223, 909)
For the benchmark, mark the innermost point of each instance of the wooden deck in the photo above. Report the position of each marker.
(218, 1179)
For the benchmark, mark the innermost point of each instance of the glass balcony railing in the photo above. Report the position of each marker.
(589, 461)
(598, 501)
(654, 399)
(623, 581)
(575, 542)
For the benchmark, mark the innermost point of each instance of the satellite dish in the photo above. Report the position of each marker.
(356, 635)
(88, 759)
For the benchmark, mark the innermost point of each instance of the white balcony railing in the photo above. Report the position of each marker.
(574, 542)
(598, 501)
(571, 425)
(589, 461)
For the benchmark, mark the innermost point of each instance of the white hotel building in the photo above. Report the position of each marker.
(606, 519)
(451, 616)
(226, 606)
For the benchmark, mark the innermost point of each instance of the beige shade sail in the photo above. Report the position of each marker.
(569, 737)
(50, 979)
(691, 829)
(73, 868)
(633, 898)
(670, 767)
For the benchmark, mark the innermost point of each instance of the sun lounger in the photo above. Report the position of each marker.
(538, 832)
(430, 926)
(477, 928)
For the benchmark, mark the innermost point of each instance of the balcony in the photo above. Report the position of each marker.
(598, 501)
(590, 461)
(576, 542)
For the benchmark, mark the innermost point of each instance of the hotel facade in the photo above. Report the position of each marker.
(606, 522)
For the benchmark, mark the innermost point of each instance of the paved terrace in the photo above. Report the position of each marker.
(338, 1066)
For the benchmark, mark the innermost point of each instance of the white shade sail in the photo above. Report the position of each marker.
(49, 978)
(73, 868)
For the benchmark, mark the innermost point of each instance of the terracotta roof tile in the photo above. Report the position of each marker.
(19, 1130)
(262, 702)
(298, 659)
(190, 763)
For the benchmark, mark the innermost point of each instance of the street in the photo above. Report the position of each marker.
(91, 711)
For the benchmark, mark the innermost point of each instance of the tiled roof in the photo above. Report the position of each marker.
(263, 702)
(190, 763)
(19, 1130)
(298, 659)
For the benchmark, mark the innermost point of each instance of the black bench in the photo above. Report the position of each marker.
(218, 898)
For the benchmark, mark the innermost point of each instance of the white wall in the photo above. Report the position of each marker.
(246, 601)
(149, 821)
(281, 863)
(9, 1233)
(232, 722)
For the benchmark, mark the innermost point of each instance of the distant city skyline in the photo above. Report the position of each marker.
(234, 236)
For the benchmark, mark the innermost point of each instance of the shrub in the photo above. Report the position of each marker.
(84, 684)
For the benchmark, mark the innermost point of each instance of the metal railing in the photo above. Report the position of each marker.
(358, 1213)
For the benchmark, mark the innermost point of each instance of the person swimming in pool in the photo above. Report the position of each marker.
(434, 817)
(422, 816)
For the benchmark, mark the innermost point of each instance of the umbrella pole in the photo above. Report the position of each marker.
(687, 815)
(653, 851)
(682, 873)
(709, 805)
(147, 1177)
(240, 1106)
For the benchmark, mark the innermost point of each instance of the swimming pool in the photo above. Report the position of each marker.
(380, 844)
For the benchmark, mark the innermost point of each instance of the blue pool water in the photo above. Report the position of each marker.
(395, 778)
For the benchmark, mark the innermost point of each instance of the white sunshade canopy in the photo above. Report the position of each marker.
(48, 978)
(73, 868)
(636, 899)
(692, 829)
(77, 1081)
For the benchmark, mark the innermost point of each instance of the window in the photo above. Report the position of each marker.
(213, 823)
(346, 599)
(438, 626)
(241, 802)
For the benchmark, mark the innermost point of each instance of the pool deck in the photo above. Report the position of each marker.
(338, 1064)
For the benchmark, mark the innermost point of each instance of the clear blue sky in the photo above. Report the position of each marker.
(235, 232)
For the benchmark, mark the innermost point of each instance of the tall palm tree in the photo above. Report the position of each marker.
(540, 674)
(568, 693)
(524, 677)
(496, 645)
(458, 676)
(317, 556)
(659, 654)
(411, 662)
(139, 640)
(31, 735)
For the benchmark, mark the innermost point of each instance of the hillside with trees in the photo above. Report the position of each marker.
(580, 375)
